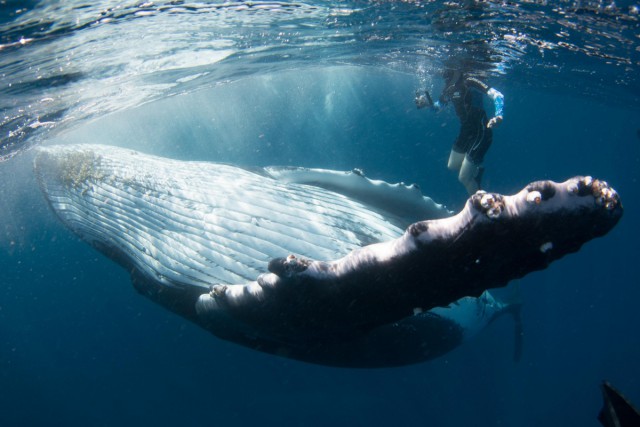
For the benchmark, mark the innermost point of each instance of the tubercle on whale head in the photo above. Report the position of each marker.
(603, 193)
(580, 195)
(546, 212)
(556, 218)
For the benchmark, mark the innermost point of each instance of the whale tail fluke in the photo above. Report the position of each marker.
(515, 304)
(518, 331)
(512, 305)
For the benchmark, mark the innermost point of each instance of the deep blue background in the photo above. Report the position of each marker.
(78, 345)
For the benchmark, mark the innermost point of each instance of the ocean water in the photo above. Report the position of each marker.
(318, 84)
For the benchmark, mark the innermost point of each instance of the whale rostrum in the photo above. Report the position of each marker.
(323, 266)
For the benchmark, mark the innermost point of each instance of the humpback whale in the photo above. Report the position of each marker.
(322, 266)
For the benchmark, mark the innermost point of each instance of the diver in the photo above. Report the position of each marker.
(466, 94)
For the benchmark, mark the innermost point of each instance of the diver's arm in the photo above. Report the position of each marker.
(423, 99)
(444, 99)
(498, 102)
(496, 97)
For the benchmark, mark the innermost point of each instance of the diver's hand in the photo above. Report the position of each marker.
(494, 122)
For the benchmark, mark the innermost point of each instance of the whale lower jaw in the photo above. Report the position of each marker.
(319, 274)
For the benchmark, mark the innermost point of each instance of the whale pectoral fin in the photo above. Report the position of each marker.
(405, 203)
(493, 240)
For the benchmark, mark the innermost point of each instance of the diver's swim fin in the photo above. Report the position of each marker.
(514, 308)
(616, 410)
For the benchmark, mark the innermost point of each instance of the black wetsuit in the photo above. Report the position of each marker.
(467, 96)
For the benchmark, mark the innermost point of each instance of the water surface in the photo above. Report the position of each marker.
(319, 84)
